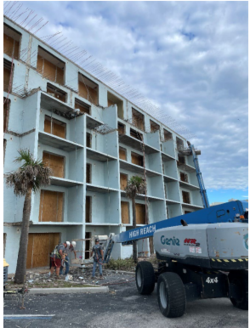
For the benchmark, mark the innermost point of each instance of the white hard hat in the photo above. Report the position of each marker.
(68, 243)
(73, 243)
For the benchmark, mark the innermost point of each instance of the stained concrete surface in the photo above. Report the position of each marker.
(121, 307)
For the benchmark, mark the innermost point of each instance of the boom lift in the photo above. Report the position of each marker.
(203, 254)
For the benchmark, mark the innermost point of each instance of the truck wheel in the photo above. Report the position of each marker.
(145, 278)
(240, 279)
(171, 295)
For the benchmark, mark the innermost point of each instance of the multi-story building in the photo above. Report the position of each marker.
(94, 140)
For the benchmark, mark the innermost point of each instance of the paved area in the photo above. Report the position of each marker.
(121, 307)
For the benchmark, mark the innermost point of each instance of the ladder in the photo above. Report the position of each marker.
(108, 249)
(199, 177)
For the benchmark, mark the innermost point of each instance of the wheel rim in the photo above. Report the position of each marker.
(138, 277)
(163, 295)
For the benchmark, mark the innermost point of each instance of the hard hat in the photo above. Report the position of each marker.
(97, 239)
(68, 243)
(73, 243)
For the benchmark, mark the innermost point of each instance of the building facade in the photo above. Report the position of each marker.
(94, 140)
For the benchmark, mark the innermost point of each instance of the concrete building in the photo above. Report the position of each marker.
(94, 140)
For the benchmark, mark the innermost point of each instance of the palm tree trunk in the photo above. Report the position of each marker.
(134, 226)
(22, 254)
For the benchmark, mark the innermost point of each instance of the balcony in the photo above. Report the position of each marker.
(57, 142)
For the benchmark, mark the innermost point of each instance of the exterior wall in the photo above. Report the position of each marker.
(26, 130)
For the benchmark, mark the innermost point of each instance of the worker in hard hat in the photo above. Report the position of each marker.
(69, 249)
(98, 258)
(57, 256)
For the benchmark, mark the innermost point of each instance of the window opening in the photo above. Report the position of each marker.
(87, 245)
(88, 214)
(55, 127)
(186, 197)
(51, 67)
(122, 153)
(113, 100)
(6, 111)
(84, 108)
(12, 40)
(179, 143)
(123, 181)
(51, 206)
(89, 140)
(125, 212)
(55, 162)
(167, 135)
(57, 93)
(88, 173)
(136, 159)
(140, 213)
(181, 159)
(183, 177)
(136, 134)
(138, 119)
(8, 76)
(154, 126)
(88, 89)
(121, 128)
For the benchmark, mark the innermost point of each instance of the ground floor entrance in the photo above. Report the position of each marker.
(40, 245)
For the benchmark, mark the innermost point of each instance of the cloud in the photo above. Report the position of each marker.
(190, 58)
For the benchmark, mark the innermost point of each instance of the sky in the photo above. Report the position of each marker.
(189, 59)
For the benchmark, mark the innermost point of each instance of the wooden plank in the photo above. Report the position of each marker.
(122, 153)
(110, 103)
(136, 159)
(51, 206)
(39, 64)
(56, 163)
(186, 197)
(93, 96)
(82, 90)
(8, 45)
(6, 79)
(49, 70)
(88, 209)
(47, 124)
(125, 212)
(83, 108)
(140, 213)
(58, 127)
(123, 181)
(29, 251)
(59, 75)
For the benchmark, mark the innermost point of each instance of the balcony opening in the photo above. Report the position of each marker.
(54, 127)
(136, 159)
(140, 213)
(6, 111)
(89, 140)
(186, 197)
(136, 134)
(57, 93)
(184, 177)
(88, 173)
(84, 108)
(88, 214)
(123, 181)
(122, 153)
(113, 100)
(51, 67)
(121, 128)
(179, 143)
(125, 212)
(12, 40)
(8, 76)
(87, 245)
(138, 119)
(55, 162)
(154, 126)
(51, 206)
(167, 135)
(88, 89)
(181, 160)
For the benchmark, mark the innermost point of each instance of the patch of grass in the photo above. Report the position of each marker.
(121, 264)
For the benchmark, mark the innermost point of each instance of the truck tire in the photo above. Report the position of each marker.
(145, 278)
(171, 295)
(240, 279)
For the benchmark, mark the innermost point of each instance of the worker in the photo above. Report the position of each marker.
(57, 256)
(69, 249)
(98, 258)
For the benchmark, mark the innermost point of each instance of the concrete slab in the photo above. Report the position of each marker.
(71, 290)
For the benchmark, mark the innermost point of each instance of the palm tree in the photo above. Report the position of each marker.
(136, 185)
(29, 177)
